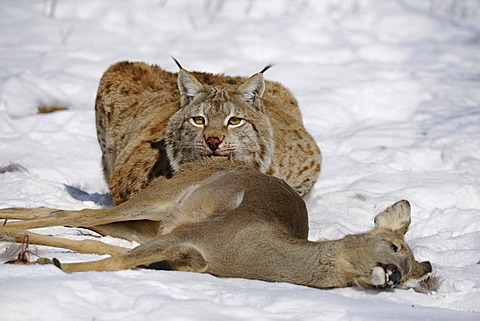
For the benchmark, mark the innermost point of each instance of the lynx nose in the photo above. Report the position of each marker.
(213, 142)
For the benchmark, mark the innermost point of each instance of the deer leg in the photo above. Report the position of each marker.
(44, 217)
(19, 213)
(127, 221)
(163, 248)
(81, 246)
(138, 231)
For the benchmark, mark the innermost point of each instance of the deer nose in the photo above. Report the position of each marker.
(393, 274)
(213, 142)
(395, 277)
(427, 266)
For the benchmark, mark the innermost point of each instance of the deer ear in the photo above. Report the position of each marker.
(395, 218)
(252, 89)
(189, 86)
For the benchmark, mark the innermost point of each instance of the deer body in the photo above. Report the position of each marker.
(228, 219)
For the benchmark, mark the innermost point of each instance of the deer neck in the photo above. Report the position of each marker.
(314, 264)
(290, 260)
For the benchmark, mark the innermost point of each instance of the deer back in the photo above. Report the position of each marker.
(233, 192)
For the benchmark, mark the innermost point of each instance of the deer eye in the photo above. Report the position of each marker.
(197, 121)
(395, 248)
(235, 121)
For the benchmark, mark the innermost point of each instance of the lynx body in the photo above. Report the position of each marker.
(150, 122)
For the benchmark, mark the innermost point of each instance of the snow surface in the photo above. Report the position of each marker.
(389, 89)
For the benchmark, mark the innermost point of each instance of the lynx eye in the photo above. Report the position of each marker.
(197, 121)
(235, 121)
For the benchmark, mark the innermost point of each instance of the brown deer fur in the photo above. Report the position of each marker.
(228, 219)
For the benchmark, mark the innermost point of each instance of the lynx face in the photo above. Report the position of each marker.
(220, 122)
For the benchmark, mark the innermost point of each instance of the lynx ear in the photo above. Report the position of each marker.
(252, 89)
(189, 86)
(395, 218)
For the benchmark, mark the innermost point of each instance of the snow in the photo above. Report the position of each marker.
(389, 89)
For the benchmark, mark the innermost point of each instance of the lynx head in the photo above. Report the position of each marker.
(220, 121)
(381, 258)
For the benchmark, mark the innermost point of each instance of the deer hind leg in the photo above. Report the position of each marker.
(44, 217)
(152, 204)
(19, 213)
(180, 256)
(138, 230)
(81, 246)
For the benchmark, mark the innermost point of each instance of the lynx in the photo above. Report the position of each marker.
(150, 122)
(256, 228)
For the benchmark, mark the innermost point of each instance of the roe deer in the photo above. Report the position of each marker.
(228, 219)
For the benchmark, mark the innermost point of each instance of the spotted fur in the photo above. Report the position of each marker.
(145, 128)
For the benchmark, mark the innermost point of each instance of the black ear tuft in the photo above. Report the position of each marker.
(270, 65)
(176, 61)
